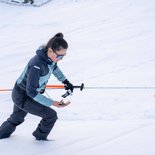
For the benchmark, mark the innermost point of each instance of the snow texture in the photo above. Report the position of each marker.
(111, 43)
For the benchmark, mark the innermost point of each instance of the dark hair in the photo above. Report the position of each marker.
(57, 43)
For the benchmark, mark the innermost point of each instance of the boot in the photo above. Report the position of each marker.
(6, 129)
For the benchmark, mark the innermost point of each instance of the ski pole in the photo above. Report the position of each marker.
(3, 89)
(55, 86)
(63, 87)
(50, 87)
(81, 87)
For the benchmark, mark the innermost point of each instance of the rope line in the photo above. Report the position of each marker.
(79, 87)
(119, 87)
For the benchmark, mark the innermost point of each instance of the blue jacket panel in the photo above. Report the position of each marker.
(36, 75)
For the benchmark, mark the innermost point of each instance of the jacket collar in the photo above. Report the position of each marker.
(42, 54)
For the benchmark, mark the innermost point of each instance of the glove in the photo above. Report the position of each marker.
(67, 94)
(68, 85)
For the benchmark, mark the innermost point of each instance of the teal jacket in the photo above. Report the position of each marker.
(36, 75)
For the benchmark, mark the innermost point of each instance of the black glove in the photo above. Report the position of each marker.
(68, 85)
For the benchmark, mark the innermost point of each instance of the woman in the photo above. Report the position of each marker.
(29, 87)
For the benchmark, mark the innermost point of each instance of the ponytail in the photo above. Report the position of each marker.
(59, 35)
(57, 43)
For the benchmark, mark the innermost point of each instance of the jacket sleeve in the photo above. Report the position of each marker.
(59, 74)
(32, 85)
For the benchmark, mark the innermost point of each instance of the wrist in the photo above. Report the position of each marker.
(65, 81)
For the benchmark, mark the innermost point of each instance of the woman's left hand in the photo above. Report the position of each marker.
(61, 104)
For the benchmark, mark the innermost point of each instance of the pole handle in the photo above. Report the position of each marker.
(81, 87)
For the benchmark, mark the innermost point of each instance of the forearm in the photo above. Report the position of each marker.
(59, 74)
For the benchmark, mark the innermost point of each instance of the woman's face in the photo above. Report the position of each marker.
(55, 56)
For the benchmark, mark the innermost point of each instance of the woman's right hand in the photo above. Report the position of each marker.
(60, 104)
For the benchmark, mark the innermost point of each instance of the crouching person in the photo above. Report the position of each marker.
(27, 93)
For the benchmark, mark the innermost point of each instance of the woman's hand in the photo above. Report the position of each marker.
(61, 104)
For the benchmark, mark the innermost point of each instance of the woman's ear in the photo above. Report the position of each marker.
(49, 49)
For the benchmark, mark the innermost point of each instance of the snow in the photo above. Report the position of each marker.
(111, 43)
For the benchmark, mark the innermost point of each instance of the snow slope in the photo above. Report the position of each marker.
(111, 43)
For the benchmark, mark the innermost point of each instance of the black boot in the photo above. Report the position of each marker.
(40, 135)
(31, 1)
(6, 129)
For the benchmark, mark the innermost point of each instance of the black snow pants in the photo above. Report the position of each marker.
(23, 104)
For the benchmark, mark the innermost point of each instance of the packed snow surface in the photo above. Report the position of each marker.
(111, 44)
